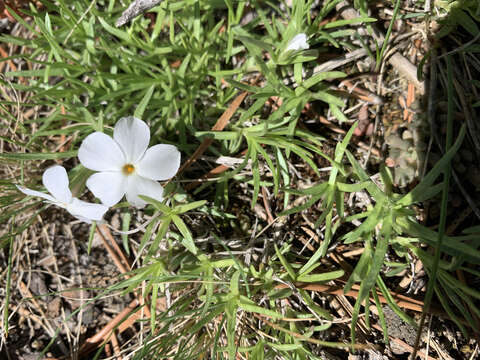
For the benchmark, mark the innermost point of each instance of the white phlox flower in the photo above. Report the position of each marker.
(55, 180)
(125, 166)
(299, 42)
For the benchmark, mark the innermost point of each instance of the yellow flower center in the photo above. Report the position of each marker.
(128, 169)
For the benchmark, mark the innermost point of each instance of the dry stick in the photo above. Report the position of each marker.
(136, 8)
(312, 236)
(106, 232)
(359, 93)
(4, 54)
(39, 320)
(112, 253)
(340, 61)
(79, 21)
(115, 346)
(118, 322)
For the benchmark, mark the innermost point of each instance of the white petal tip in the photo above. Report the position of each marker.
(85, 211)
(30, 192)
(299, 42)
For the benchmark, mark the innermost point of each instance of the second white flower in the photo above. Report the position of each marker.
(125, 166)
(299, 42)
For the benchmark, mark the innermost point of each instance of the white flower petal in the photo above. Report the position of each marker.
(160, 162)
(86, 211)
(55, 179)
(109, 187)
(138, 185)
(100, 152)
(133, 136)
(30, 192)
(299, 42)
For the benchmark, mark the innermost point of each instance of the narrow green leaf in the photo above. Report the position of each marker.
(125, 226)
(285, 264)
(439, 167)
(181, 209)
(314, 278)
(114, 31)
(187, 240)
(259, 310)
(39, 156)
(91, 234)
(313, 306)
(327, 75)
(144, 103)
(378, 258)
(358, 20)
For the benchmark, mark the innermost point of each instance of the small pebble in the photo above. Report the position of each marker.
(407, 135)
(36, 344)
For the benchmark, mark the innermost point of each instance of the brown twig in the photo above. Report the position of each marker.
(219, 126)
(360, 93)
(214, 172)
(266, 205)
(4, 54)
(115, 346)
(112, 253)
(105, 231)
(120, 322)
(402, 301)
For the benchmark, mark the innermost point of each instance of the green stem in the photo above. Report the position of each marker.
(387, 36)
